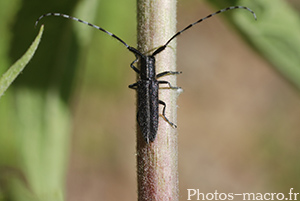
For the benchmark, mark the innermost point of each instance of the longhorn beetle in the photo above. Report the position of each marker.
(147, 86)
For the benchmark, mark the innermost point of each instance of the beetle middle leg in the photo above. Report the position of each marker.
(164, 113)
(168, 83)
(168, 73)
(133, 86)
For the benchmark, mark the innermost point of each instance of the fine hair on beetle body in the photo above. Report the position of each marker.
(147, 86)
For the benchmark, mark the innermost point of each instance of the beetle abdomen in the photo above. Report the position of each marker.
(147, 116)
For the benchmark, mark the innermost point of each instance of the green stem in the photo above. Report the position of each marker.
(157, 162)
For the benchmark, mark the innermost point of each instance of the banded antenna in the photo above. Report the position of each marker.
(202, 19)
(82, 21)
(134, 50)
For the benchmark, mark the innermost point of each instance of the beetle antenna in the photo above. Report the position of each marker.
(202, 19)
(84, 22)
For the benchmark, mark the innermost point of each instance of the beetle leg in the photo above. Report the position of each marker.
(133, 67)
(167, 73)
(168, 83)
(164, 114)
(133, 86)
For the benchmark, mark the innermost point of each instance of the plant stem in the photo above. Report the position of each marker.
(157, 170)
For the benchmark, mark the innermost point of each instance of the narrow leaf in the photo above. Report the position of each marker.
(10, 75)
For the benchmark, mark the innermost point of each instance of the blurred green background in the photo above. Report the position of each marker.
(67, 124)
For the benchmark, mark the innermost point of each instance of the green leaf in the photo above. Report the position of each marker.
(275, 34)
(11, 74)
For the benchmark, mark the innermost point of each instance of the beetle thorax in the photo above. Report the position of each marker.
(147, 68)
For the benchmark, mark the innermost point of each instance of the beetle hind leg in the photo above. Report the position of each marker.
(164, 114)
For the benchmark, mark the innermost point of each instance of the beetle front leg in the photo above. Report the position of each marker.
(133, 67)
